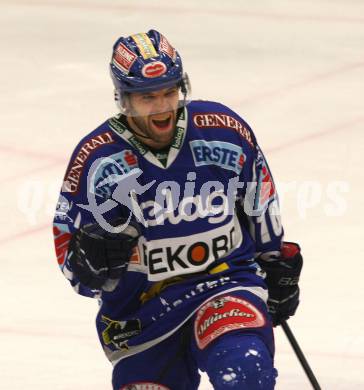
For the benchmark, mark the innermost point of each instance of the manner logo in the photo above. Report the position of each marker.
(154, 69)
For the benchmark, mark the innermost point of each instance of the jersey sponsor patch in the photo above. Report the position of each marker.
(135, 256)
(168, 257)
(265, 186)
(123, 58)
(138, 145)
(62, 237)
(223, 154)
(225, 314)
(117, 333)
(117, 126)
(116, 164)
(167, 208)
(144, 386)
(178, 137)
(225, 121)
(73, 175)
(62, 209)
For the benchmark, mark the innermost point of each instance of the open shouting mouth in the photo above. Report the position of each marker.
(163, 124)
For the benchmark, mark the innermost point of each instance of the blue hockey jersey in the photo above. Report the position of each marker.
(206, 208)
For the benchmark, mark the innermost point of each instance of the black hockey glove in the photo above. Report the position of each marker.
(282, 281)
(97, 256)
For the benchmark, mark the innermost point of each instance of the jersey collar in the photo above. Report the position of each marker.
(124, 132)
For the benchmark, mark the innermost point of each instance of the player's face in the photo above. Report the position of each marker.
(155, 115)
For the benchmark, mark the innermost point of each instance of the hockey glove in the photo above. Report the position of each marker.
(282, 278)
(96, 255)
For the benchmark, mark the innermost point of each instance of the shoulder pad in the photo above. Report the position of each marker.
(82, 154)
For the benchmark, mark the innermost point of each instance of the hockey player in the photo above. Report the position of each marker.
(168, 215)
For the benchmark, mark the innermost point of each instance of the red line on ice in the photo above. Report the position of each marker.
(318, 77)
(42, 333)
(26, 232)
(337, 128)
(255, 98)
(26, 174)
(8, 149)
(309, 137)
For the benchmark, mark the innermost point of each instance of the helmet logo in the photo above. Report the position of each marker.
(154, 69)
(145, 45)
(165, 47)
(123, 58)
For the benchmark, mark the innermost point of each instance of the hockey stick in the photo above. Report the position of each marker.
(300, 356)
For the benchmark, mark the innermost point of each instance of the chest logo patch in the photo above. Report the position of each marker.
(223, 154)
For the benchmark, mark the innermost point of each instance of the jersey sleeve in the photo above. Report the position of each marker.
(82, 196)
(259, 207)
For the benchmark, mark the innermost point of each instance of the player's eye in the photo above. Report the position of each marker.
(147, 98)
(172, 92)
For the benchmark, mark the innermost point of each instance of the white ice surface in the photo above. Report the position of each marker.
(295, 71)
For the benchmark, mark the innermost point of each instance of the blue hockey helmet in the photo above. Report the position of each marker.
(146, 62)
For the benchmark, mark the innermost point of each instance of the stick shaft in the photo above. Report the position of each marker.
(300, 356)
